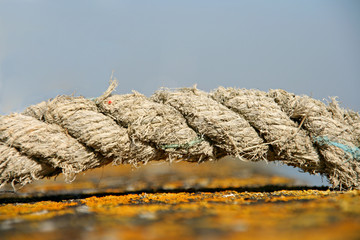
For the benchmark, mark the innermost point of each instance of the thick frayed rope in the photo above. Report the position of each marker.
(72, 134)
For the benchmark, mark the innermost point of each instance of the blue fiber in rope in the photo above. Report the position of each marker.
(353, 151)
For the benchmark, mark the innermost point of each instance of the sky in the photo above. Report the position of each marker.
(49, 48)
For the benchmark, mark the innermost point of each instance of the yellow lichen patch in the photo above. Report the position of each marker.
(295, 214)
(160, 198)
(39, 210)
(183, 201)
(318, 217)
(110, 201)
(126, 211)
(207, 201)
(286, 195)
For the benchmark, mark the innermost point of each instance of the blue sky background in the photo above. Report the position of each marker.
(61, 47)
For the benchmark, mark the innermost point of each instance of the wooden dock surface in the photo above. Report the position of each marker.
(221, 200)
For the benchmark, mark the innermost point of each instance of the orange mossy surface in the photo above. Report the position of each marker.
(211, 201)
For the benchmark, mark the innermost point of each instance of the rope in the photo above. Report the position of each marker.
(185, 145)
(354, 152)
(72, 134)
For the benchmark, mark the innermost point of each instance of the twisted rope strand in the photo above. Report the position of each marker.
(72, 134)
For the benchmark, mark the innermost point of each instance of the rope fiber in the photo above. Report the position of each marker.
(72, 134)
